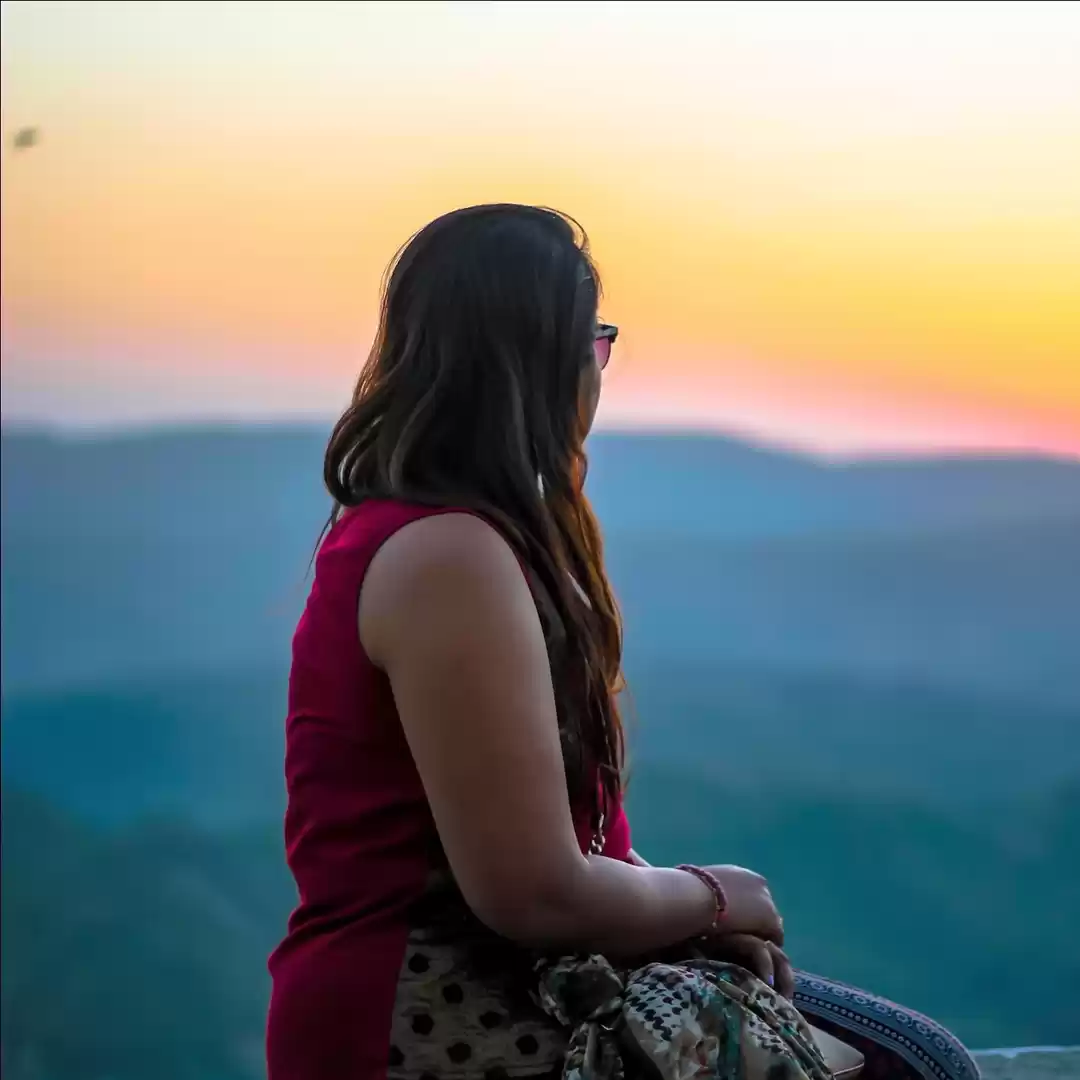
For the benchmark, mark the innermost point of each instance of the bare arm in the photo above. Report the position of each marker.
(445, 611)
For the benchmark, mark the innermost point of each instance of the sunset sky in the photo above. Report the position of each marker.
(847, 226)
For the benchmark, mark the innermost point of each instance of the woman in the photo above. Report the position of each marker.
(454, 751)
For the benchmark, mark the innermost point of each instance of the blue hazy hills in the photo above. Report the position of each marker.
(861, 678)
(189, 550)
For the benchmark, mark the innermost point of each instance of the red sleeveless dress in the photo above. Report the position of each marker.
(360, 839)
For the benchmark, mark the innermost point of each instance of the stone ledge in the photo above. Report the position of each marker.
(1034, 1064)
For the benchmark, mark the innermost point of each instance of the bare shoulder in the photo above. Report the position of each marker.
(446, 552)
(439, 568)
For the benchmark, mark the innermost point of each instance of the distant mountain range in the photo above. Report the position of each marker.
(188, 551)
(862, 679)
(888, 624)
(208, 747)
(705, 484)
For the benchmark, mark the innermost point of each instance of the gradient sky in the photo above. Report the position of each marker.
(846, 226)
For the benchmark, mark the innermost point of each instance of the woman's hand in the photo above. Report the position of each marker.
(751, 908)
(764, 959)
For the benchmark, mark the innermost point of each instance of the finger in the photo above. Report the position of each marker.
(760, 960)
(783, 971)
(772, 928)
(746, 950)
(776, 928)
(767, 925)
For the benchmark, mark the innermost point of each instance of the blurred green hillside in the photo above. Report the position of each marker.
(861, 680)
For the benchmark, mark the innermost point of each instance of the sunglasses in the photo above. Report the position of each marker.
(605, 338)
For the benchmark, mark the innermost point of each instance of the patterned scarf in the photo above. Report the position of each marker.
(701, 1018)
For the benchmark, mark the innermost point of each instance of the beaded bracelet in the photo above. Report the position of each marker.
(716, 888)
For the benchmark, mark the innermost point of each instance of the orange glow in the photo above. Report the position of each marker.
(804, 274)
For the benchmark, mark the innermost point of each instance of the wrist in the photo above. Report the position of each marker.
(719, 897)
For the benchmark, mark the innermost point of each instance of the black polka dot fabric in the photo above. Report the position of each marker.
(419, 963)
(527, 1045)
(448, 1024)
(423, 1024)
(459, 1052)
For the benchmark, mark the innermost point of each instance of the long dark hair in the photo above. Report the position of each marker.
(471, 397)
